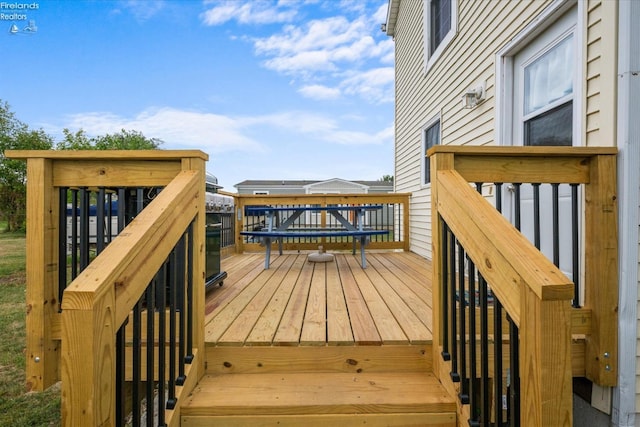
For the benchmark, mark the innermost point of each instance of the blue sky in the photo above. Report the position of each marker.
(287, 89)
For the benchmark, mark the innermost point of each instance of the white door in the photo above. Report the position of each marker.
(544, 113)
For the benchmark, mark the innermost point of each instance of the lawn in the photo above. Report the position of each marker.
(18, 407)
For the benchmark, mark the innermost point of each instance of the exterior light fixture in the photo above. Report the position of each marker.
(474, 96)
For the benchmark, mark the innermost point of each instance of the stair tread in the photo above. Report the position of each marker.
(326, 393)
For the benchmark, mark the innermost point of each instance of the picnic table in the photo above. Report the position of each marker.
(355, 229)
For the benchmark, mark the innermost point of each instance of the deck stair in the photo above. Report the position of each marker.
(280, 386)
(319, 344)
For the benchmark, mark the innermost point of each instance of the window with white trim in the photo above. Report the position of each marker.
(440, 25)
(430, 138)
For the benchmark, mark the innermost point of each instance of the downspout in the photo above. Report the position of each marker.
(628, 131)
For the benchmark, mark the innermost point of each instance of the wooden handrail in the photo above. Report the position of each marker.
(99, 300)
(502, 254)
(533, 291)
(46, 171)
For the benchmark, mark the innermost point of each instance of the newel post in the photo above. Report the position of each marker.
(438, 162)
(601, 270)
(88, 358)
(546, 384)
(199, 262)
(43, 351)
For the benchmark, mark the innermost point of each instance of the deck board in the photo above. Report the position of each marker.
(268, 322)
(338, 323)
(362, 324)
(296, 302)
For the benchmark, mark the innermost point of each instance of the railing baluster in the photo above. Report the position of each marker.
(189, 307)
(182, 310)
(484, 353)
(121, 396)
(446, 355)
(100, 219)
(110, 215)
(462, 304)
(517, 206)
(497, 360)
(122, 209)
(84, 228)
(151, 305)
(161, 293)
(575, 255)
(137, 363)
(455, 376)
(556, 223)
(74, 233)
(514, 374)
(172, 283)
(62, 243)
(473, 373)
(536, 214)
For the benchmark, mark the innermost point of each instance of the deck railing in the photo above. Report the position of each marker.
(503, 316)
(393, 217)
(153, 269)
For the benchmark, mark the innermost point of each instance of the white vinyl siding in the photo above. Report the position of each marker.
(482, 27)
(600, 65)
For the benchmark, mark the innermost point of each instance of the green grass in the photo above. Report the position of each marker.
(17, 406)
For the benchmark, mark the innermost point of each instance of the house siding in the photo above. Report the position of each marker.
(600, 94)
(600, 73)
(482, 27)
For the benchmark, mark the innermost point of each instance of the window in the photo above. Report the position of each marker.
(540, 79)
(260, 192)
(440, 27)
(430, 138)
(548, 96)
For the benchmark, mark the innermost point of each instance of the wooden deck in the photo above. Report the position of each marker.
(301, 303)
(318, 344)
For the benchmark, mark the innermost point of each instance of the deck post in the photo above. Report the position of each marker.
(88, 359)
(546, 386)
(601, 270)
(199, 263)
(43, 350)
(439, 161)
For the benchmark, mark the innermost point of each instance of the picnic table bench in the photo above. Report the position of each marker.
(356, 230)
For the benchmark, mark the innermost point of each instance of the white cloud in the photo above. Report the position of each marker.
(380, 15)
(319, 92)
(335, 48)
(253, 12)
(142, 10)
(322, 34)
(375, 85)
(303, 63)
(214, 133)
(317, 127)
(206, 131)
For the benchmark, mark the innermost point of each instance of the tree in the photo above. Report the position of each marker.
(386, 178)
(124, 140)
(15, 135)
